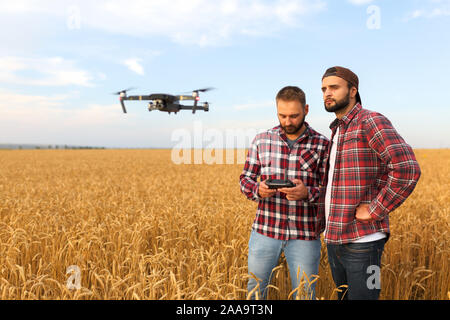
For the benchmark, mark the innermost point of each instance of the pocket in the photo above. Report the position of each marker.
(357, 255)
(352, 137)
(358, 248)
(356, 139)
(308, 160)
(351, 142)
(365, 247)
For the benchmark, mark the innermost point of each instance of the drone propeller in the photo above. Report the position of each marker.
(204, 89)
(200, 90)
(123, 91)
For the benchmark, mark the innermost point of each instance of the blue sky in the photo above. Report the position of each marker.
(61, 60)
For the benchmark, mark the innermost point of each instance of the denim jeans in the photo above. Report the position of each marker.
(263, 255)
(357, 265)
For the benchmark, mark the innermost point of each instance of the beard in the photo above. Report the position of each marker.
(293, 129)
(338, 105)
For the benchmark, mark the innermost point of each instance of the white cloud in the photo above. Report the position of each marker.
(13, 102)
(40, 110)
(54, 71)
(134, 64)
(199, 22)
(434, 9)
(205, 22)
(415, 14)
(24, 6)
(360, 2)
(49, 119)
(442, 11)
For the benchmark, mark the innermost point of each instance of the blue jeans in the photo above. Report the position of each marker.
(357, 265)
(263, 255)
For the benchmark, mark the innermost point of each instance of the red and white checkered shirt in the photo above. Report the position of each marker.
(268, 157)
(374, 166)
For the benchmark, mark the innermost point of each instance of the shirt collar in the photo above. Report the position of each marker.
(347, 118)
(283, 136)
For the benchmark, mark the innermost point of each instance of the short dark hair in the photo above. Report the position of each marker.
(291, 93)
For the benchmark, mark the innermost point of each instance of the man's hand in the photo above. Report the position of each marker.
(362, 213)
(299, 192)
(264, 191)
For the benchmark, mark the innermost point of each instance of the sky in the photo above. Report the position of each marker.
(60, 62)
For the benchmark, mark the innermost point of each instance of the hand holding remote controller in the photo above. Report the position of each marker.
(264, 191)
(299, 192)
(280, 183)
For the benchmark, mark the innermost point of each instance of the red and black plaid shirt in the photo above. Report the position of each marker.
(375, 166)
(268, 157)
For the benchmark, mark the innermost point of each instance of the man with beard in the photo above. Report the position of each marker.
(371, 171)
(286, 219)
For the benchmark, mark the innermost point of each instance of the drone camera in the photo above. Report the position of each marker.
(159, 104)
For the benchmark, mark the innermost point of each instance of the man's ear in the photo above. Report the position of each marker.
(353, 92)
(306, 109)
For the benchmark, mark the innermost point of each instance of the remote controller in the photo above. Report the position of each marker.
(279, 183)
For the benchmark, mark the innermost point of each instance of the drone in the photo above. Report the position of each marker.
(166, 102)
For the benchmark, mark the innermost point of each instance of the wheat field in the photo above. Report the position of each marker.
(137, 226)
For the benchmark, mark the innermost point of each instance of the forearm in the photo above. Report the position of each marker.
(249, 187)
(248, 180)
(401, 183)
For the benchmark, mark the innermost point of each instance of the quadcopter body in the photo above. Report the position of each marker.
(167, 102)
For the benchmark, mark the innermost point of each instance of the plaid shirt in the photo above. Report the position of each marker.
(374, 166)
(268, 157)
